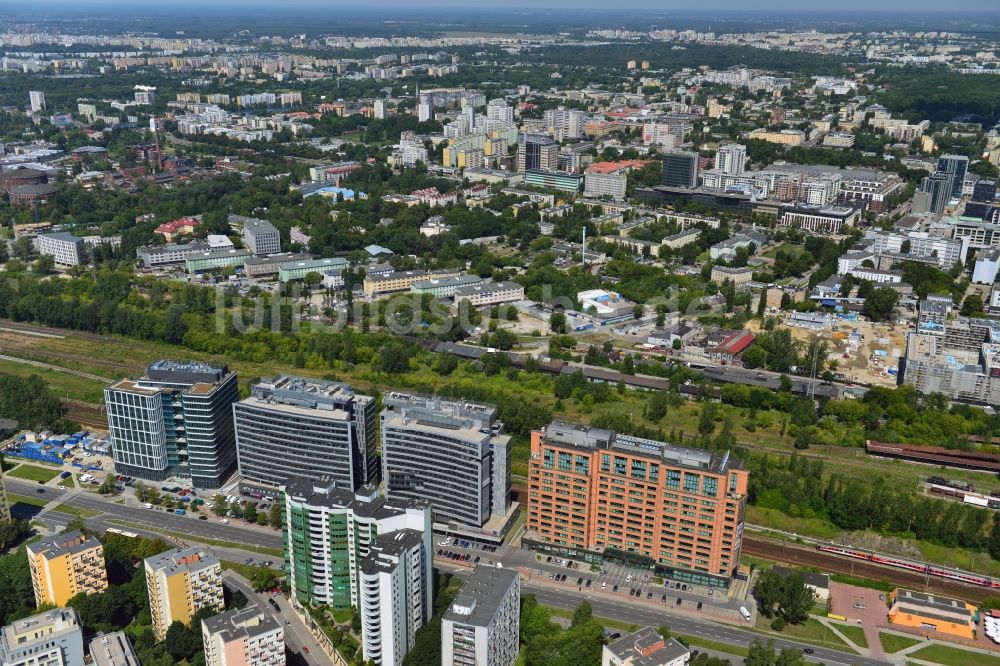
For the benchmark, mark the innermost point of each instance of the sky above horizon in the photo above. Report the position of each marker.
(908, 6)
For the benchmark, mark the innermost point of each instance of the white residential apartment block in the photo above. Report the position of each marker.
(490, 293)
(599, 185)
(481, 626)
(396, 595)
(52, 638)
(731, 159)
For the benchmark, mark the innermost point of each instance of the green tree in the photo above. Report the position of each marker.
(274, 516)
(557, 322)
(250, 512)
(583, 614)
(706, 422)
(656, 408)
(972, 305)
(107, 486)
(880, 304)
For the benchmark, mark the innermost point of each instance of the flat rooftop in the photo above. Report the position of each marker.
(481, 595)
(585, 437)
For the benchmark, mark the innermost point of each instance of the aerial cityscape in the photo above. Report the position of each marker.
(499, 334)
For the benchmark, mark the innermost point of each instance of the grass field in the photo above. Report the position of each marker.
(245, 570)
(811, 631)
(949, 656)
(855, 633)
(66, 385)
(14, 498)
(33, 473)
(894, 643)
(68, 482)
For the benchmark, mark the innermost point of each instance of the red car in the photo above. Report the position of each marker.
(305, 649)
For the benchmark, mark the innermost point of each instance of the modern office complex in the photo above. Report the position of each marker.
(329, 530)
(65, 565)
(114, 649)
(180, 583)
(647, 503)
(956, 167)
(937, 186)
(451, 453)
(64, 248)
(290, 426)
(680, 169)
(260, 236)
(243, 637)
(396, 594)
(52, 638)
(174, 421)
(537, 152)
(482, 625)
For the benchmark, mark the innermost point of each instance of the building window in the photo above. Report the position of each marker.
(732, 483)
(621, 466)
(710, 486)
(673, 479)
(654, 472)
(582, 465)
(605, 462)
(550, 459)
(691, 482)
(638, 469)
(565, 461)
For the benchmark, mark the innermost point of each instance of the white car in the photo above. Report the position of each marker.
(604, 585)
(147, 505)
(628, 579)
(443, 543)
(224, 521)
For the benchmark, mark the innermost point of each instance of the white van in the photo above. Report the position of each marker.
(745, 613)
(147, 505)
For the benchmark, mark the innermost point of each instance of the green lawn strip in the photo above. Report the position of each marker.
(853, 632)
(68, 482)
(811, 631)
(881, 585)
(14, 498)
(949, 656)
(77, 511)
(33, 473)
(274, 552)
(693, 641)
(70, 386)
(894, 642)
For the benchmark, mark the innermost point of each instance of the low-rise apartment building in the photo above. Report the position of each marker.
(490, 293)
(179, 584)
(64, 565)
(375, 286)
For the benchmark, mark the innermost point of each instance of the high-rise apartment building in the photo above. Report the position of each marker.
(451, 453)
(358, 550)
(731, 159)
(243, 637)
(956, 166)
(499, 111)
(175, 421)
(290, 426)
(65, 565)
(379, 109)
(36, 98)
(482, 625)
(563, 123)
(180, 583)
(396, 599)
(537, 153)
(680, 169)
(612, 496)
(329, 530)
(52, 638)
